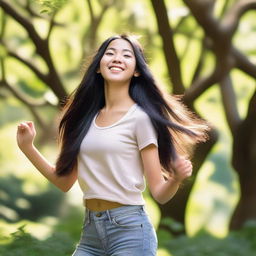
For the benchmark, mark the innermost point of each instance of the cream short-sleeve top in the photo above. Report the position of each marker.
(109, 162)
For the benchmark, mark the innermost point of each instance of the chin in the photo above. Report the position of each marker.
(118, 80)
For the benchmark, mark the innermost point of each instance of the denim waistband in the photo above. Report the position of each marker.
(110, 214)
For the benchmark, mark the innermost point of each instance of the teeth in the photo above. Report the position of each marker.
(116, 68)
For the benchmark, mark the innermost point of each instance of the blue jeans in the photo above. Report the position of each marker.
(123, 231)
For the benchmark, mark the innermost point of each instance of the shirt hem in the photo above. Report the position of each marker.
(148, 142)
(114, 200)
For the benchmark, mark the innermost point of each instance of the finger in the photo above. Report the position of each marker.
(30, 124)
(189, 171)
(183, 157)
(187, 163)
(184, 164)
(23, 126)
(187, 168)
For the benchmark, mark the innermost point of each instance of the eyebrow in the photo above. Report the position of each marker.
(124, 50)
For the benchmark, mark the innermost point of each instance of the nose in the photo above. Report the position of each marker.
(117, 58)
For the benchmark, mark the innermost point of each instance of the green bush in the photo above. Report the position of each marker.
(237, 243)
(44, 203)
(21, 243)
(71, 222)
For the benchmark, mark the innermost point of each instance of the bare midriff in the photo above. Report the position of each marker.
(100, 204)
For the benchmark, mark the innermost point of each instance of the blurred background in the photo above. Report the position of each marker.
(204, 50)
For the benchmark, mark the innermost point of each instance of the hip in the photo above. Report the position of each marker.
(95, 204)
(125, 230)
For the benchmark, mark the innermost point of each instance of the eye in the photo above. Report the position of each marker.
(109, 53)
(127, 56)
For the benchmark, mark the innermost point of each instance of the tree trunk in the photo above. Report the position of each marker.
(244, 162)
(176, 207)
(246, 207)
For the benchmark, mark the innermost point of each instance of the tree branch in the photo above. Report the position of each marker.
(243, 63)
(172, 60)
(233, 15)
(31, 12)
(251, 112)
(38, 41)
(31, 105)
(91, 12)
(221, 46)
(3, 79)
(23, 98)
(51, 26)
(225, 7)
(179, 24)
(20, 96)
(203, 13)
(42, 49)
(188, 42)
(91, 35)
(227, 56)
(200, 63)
(105, 7)
(200, 85)
(2, 25)
(229, 103)
(37, 72)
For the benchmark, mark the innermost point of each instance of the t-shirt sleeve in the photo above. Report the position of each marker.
(145, 131)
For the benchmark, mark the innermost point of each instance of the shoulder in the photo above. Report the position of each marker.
(141, 115)
(142, 120)
(144, 129)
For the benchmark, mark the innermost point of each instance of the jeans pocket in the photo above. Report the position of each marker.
(129, 220)
(86, 221)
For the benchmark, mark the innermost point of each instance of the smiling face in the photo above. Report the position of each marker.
(118, 63)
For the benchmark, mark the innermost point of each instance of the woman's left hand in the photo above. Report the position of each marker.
(183, 169)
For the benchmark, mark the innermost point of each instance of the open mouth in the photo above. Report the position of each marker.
(116, 68)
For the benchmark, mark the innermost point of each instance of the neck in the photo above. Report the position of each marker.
(117, 95)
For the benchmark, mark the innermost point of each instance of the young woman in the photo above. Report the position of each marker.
(118, 128)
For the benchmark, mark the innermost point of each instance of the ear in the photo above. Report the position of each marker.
(98, 71)
(136, 74)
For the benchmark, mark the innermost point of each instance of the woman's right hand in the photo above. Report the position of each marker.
(25, 135)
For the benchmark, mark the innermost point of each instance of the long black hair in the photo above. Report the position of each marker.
(174, 124)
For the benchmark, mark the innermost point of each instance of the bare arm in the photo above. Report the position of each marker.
(25, 137)
(163, 190)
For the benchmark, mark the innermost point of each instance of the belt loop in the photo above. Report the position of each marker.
(88, 216)
(109, 216)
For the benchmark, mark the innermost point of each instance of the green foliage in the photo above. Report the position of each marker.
(237, 243)
(51, 5)
(30, 89)
(71, 222)
(168, 229)
(27, 206)
(23, 243)
(172, 225)
(10, 112)
(249, 233)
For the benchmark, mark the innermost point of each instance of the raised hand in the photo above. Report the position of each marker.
(183, 169)
(25, 135)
